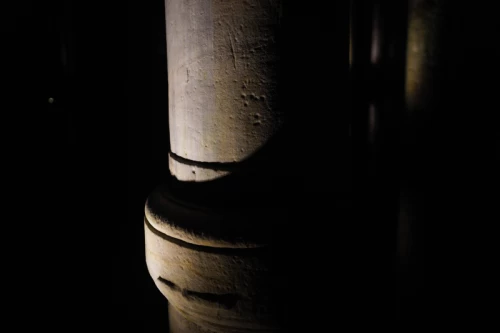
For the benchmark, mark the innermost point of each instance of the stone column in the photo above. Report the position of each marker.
(222, 75)
(426, 65)
(208, 244)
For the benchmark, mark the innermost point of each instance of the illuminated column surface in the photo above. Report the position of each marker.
(211, 262)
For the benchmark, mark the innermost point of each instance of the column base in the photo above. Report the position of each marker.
(179, 324)
(213, 276)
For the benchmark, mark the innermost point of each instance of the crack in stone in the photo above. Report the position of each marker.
(232, 50)
(241, 252)
(227, 301)
(222, 166)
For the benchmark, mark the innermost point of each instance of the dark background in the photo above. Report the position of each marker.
(94, 154)
(100, 148)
